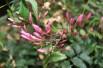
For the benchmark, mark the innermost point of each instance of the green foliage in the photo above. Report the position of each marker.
(34, 7)
(23, 11)
(84, 53)
(56, 56)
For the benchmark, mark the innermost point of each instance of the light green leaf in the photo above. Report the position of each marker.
(77, 49)
(82, 32)
(78, 62)
(56, 56)
(34, 7)
(86, 58)
(23, 11)
(70, 53)
(66, 64)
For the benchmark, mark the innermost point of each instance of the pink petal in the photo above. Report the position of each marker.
(67, 16)
(99, 26)
(12, 20)
(30, 18)
(88, 16)
(60, 33)
(84, 36)
(39, 17)
(37, 28)
(37, 35)
(101, 19)
(71, 21)
(45, 14)
(79, 19)
(37, 43)
(43, 51)
(61, 45)
(63, 41)
(15, 26)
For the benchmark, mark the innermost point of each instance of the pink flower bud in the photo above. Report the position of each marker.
(17, 12)
(71, 21)
(63, 41)
(60, 33)
(22, 19)
(29, 36)
(45, 14)
(61, 45)
(39, 16)
(64, 31)
(75, 33)
(88, 16)
(30, 18)
(43, 51)
(79, 19)
(84, 36)
(48, 27)
(99, 26)
(37, 43)
(15, 26)
(101, 20)
(37, 28)
(37, 34)
(67, 16)
(50, 23)
(12, 20)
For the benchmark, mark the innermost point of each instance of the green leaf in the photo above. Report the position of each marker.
(66, 64)
(34, 7)
(78, 62)
(70, 53)
(86, 58)
(56, 56)
(2, 37)
(23, 11)
(77, 49)
(82, 32)
(48, 47)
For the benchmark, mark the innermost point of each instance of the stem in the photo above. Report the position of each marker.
(1, 44)
(87, 5)
(44, 65)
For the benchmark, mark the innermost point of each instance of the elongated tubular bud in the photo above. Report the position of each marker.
(37, 34)
(12, 20)
(71, 21)
(43, 51)
(68, 16)
(15, 26)
(88, 16)
(37, 29)
(45, 14)
(79, 19)
(30, 18)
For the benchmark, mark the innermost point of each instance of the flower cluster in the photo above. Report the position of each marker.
(41, 36)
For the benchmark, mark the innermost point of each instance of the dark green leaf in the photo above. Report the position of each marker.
(70, 53)
(86, 58)
(77, 49)
(78, 62)
(66, 64)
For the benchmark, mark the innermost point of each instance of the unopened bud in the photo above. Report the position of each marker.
(84, 36)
